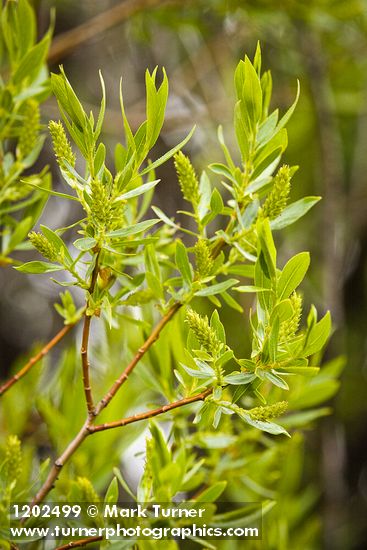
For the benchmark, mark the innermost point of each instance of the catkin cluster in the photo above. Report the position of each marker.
(29, 129)
(86, 489)
(61, 144)
(44, 246)
(278, 197)
(289, 327)
(100, 207)
(187, 178)
(268, 412)
(204, 332)
(203, 259)
(13, 459)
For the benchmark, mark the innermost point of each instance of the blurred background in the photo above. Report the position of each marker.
(323, 43)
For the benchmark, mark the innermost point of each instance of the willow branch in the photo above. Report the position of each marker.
(79, 543)
(70, 40)
(61, 461)
(44, 351)
(85, 343)
(88, 427)
(149, 414)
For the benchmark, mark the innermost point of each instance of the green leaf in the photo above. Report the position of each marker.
(241, 131)
(293, 212)
(212, 493)
(156, 106)
(155, 285)
(32, 62)
(276, 380)
(293, 274)
(217, 288)
(283, 121)
(267, 246)
(315, 392)
(249, 288)
(139, 190)
(50, 192)
(216, 202)
(239, 378)
(19, 234)
(182, 262)
(68, 100)
(112, 493)
(84, 244)
(223, 170)
(304, 371)
(252, 93)
(269, 427)
(217, 325)
(168, 155)
(132, 229)
(318, 336)
(39, 267)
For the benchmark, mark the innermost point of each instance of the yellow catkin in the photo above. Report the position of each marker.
(87, 491)
(278, 197)
(44, 246)
(203, 258)
(203, 332)
(289, 327)
(13, 459)
(100, 207)
(187, 178)
(29, 128)
(61, 144)
(268, 412)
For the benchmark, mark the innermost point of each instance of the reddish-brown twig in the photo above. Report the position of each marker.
(85, 342)
(89, 429)
(44, 351)
(149, 414)
(79, 543)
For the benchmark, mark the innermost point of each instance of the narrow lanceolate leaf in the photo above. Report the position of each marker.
(249, 288)
(132, 229)
(318, 336)
(182, 262)
(293, 212)
(168, 155)
(269, 427)
(139, 190)
(39, 267)
(267, 246)
(212, 493)
(303, 371)
(217, 288)
(293, 274)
